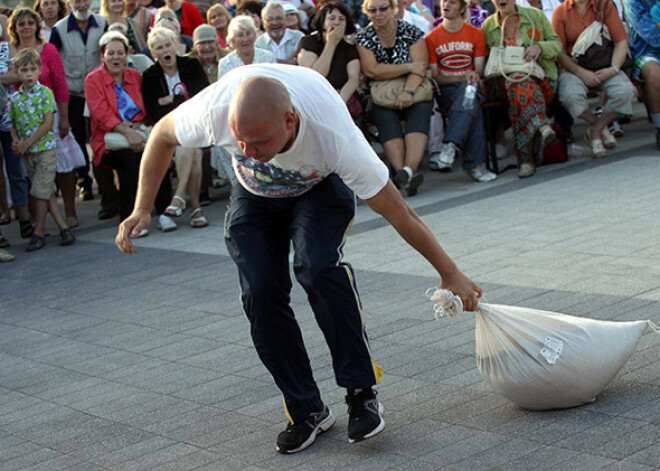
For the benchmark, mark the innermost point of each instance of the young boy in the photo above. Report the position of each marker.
(457, 55)
(32, 112)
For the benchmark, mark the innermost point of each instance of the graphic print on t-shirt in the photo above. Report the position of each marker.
(273, 181)
(454, 52)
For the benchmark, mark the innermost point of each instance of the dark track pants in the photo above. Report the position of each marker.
(258, 233)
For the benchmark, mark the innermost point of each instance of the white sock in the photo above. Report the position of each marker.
(655, 117)
(408, 171)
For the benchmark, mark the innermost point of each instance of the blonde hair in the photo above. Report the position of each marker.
(240, 22)
(105, 11)
(112, 36)
(393, 6)
(160, 34)
(25, 57)
(219, 7)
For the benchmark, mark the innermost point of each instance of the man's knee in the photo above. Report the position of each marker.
(651, 75)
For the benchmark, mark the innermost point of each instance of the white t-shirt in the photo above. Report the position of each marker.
(327, 142)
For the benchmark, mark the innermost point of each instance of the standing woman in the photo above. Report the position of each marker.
(218, 17)
(114, 11)
(529, 99)
(327, 51)
(165, 85)
(25, 32)
(391, 48)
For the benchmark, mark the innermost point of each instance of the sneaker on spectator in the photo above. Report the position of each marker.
(616, 129)
(481, 174)
(297, 437)
(364, 415)
(166, 223)
(448, 154)
(414, 183)
(5, 256)
(436, 165)
(401, 178)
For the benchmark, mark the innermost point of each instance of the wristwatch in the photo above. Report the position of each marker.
(410, 92)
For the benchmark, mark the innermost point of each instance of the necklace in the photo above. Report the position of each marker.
(388, 35)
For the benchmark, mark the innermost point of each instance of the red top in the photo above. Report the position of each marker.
(190, 19)
(454, 51)
(568, 23)
(102, 102)
(52, 73)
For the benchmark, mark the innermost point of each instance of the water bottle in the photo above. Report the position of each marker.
(470, 95)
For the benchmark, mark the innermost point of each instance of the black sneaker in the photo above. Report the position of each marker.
(67, 237)
(401, 178)
(364, 416)
(414, 184)
(299, 436)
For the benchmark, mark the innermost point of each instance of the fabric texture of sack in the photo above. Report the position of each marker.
(543, 360)
(506, 61)
(69, 154)
(117, 141)
(385, 92)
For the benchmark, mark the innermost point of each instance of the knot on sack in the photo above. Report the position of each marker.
(446, 303)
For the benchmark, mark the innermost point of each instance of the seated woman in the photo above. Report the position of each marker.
(575, 81)
(165, 85)
(391, 48)
(644, 22)
(327, 51)
(114, 97)
(166, 18)
(528, 99)
(207, 51)
(241, 37)
(218, 17)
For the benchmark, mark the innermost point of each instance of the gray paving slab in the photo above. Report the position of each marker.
(146, 362)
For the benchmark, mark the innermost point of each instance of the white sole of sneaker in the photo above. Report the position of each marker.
(375, 431)
(320, 428)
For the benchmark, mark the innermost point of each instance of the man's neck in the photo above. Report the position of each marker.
(82, 24)
(454, 24)
(278, 40)
(50, 22)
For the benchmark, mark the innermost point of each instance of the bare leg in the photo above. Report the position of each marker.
(67, 184)
(415, 144)
(40, 211)
(195, 179)
(395, 151)
(54, 210)
(183, 160)
(651, 75)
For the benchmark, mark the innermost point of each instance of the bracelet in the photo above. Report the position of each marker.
(405, 68)
(616, 69)
(410, 92)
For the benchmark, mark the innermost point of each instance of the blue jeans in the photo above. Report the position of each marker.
(465, 126)
(259, 232)
(16, 173)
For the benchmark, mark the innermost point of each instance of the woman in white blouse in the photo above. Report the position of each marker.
(241, 37)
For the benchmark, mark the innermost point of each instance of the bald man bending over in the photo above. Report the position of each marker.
(298, 160)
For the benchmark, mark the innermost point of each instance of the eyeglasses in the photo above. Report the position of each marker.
(380, 9)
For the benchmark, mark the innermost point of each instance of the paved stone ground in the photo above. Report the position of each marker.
(109, 362)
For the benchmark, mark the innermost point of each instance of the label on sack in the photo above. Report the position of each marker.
(552, 349)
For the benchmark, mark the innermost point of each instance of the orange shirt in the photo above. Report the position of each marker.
(454, 52)
(568, 23)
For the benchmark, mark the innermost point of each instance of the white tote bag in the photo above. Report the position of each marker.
(545, 360)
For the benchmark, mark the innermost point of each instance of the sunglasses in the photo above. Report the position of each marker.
(380, 9)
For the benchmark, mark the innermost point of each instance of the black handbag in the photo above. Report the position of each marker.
(597, 56)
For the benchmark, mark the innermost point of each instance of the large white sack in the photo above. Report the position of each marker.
(545, 360)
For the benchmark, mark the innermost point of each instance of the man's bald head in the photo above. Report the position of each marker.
(259, 98)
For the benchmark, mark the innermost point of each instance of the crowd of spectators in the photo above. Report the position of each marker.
(122, 68)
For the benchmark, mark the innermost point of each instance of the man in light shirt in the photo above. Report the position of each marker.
(283, 42)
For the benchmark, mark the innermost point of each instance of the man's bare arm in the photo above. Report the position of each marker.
(155, 160)
(389, 203)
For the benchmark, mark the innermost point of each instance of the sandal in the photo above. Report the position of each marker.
(597, 148)
(609, 141)
(27, 229)
(4, 243)
(175, 211)
(36, 242)
(198, 222)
